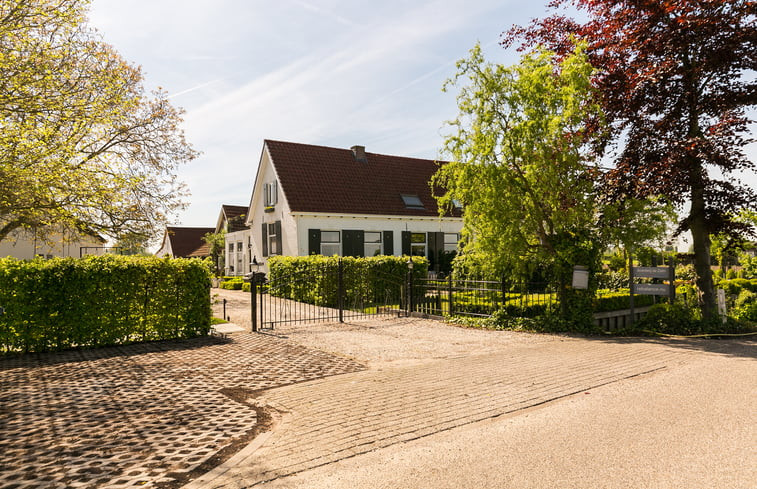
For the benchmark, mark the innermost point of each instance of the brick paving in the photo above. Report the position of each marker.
(336, 418)
(141, 415)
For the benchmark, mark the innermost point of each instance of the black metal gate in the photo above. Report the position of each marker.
(329, 294)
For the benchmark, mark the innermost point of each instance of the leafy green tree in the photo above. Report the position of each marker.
(217, 245)
(675, 78)
(82, 146)
(518, 163)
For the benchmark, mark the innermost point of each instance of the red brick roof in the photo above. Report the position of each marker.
(235, 216)
(188, 242)
(331, 180)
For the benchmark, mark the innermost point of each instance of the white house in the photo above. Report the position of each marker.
(232, 219)
(26, 244)
(310, 199)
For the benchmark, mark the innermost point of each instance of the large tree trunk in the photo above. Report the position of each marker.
(701, 238)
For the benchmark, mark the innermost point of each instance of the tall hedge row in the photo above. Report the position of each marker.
(313, 279)
(98, 301)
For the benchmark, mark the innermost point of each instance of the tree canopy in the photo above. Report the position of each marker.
(519, 163)
(82, 145)
(673, 81)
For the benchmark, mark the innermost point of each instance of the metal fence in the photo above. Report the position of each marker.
(332, 297)
(480, 298)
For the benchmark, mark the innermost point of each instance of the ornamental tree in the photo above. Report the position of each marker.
(82, 146)
(674, 79)
(518, 162)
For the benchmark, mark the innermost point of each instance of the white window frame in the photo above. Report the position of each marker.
(270, 194)
(373, 247)
(451, 241)
(416, 246)
(332, 247)
(272, 241)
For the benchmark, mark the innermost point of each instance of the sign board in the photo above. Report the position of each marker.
(651, 272)
(721, 303)
(651, 289)
(580, 277)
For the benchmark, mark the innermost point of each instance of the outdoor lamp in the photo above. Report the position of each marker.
(409, 263)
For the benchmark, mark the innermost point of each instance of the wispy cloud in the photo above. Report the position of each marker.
(196, 87)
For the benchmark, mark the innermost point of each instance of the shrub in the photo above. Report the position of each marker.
(312, 279)
(669, 319)
(101, 300)
(232, 284)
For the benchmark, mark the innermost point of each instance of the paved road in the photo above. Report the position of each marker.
(689, 425)
(368, 416)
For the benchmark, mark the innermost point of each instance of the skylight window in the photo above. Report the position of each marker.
(412, 201)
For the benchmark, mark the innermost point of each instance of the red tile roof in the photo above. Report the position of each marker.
(331, 180)
(235, 216)
(188, 242)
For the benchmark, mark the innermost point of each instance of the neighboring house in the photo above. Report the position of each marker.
(184, 242)
(319, 200)
(27, 244)
(238, 255)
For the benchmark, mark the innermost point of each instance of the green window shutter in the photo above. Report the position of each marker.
(353, 243)
(388, 243)
(277, 226)
(265, 239)
(314, 241)
(406, 242)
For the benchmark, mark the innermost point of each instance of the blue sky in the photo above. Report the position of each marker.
(330, 72)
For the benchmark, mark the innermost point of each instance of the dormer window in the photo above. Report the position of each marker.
(270, 194)
(412, 201)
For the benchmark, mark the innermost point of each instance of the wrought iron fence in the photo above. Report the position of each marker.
(468, 297)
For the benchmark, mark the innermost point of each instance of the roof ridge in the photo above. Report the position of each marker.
(265, 141)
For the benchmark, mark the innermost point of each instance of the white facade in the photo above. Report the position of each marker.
(276, 230)
(23, 244)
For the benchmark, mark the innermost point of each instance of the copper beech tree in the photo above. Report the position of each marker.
(674, 78)
(83, 147)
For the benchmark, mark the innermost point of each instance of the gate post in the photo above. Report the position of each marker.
(254, 303)
(340, 290)
(449, 291)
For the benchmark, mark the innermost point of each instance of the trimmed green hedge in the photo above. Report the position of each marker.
(617, 301)
(101, 300)
(312, 279)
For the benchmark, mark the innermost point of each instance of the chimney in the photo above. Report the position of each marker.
(359, 153)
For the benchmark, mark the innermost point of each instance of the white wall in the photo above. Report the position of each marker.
(396, 224)
(21, 244)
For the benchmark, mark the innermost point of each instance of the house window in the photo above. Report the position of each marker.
(418, 244)
(412, 201)
(270, 194)
(450, 241)
(372, 243)
(239, 246)
(330, 243)
(273, 242)
(231, 247)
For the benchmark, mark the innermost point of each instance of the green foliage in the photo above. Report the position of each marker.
(619, 300)
(748, 265)
(517, 162)
(313, 279)
(735, 286)
(101, 300)
(674, 319)
(612, 280)
(83, 146)
(232, 284)
(216, 243)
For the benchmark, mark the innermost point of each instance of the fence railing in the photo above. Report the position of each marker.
(464, 297)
